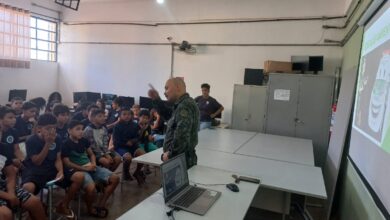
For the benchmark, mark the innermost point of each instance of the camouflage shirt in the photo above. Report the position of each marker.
(182, 128)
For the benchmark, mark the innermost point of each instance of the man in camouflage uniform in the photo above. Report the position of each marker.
(183, 124)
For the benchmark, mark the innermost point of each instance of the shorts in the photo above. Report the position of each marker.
(100, 175)
(40, 180)
(20, 193)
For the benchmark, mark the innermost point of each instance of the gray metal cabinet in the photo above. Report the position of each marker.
(300, 106)
(249, 106)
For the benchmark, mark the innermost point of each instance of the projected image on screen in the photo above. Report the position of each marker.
(369, 149)
(373, 94)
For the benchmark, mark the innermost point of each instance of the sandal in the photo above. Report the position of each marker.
(67, 213)
(99, 212)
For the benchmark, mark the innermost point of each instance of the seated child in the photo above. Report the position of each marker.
(97, 135)
(11, 196)
(145, 132)
(145, 135)
(16, 105)
(62, 114)
(43, 163)
(136, 110)
(40, 103)
(125, 137)
(113, 115)
(77, 155)
(90, 108)
(81, 112)
(26, 121)
(157, 125)
(9, 136)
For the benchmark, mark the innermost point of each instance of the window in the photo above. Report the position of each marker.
(14, 37)
(43, 39)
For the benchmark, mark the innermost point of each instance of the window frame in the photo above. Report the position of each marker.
(55, 52)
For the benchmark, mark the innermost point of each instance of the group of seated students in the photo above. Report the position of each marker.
(79, 152)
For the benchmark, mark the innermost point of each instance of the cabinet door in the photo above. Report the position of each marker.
(314, 113)
(282, 104)
(257, 108)
(240, 115)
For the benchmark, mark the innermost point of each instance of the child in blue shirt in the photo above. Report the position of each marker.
(9, 137)
(16, 105)
(43, 164)
(125, 137)
(113, 115)
(62, 114)
(10, 163)
(26, 121)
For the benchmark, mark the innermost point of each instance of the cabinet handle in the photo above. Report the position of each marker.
(298, 121)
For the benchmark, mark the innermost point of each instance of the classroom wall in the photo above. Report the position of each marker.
(247, 45)
(41, 78)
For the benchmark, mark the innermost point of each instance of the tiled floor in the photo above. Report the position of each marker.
(129, 194)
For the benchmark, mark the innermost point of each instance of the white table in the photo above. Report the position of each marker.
(225, 140)
(282, 148)
(278, 175)
(229, 206)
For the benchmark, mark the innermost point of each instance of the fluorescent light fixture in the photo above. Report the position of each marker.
(160, 1)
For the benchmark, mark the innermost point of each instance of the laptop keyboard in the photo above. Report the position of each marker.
(189, 197)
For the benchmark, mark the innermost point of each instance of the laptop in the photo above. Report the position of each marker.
(178, 193)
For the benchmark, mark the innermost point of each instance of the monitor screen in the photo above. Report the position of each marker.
(175, 177)
(21, 93)
(253, 77)
(300, 63)
(127, 101)
(108, 97)
(145, 102)
(316, 63)
(86, 96)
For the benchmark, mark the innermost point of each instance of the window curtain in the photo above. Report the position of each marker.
(14, 37)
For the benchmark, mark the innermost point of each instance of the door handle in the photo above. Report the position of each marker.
(298, 121)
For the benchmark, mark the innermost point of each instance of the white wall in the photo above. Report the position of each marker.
(96, 50)
(41, 78)
(120, 69)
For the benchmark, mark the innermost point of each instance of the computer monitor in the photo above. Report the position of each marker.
(21, 93)
(316, 63)
(108, 97)
(127, 101)
(145, 102)
(253, 77)
(86, 96)
(300, 63)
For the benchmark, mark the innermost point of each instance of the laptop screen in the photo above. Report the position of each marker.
(174, 176)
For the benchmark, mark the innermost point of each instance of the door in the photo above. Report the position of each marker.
(240, 108)
(314, 113)
(257, 108)
(282, 104)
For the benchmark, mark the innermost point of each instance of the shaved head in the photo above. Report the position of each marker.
(174, 89)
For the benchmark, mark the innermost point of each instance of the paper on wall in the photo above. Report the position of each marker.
(282, 94)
